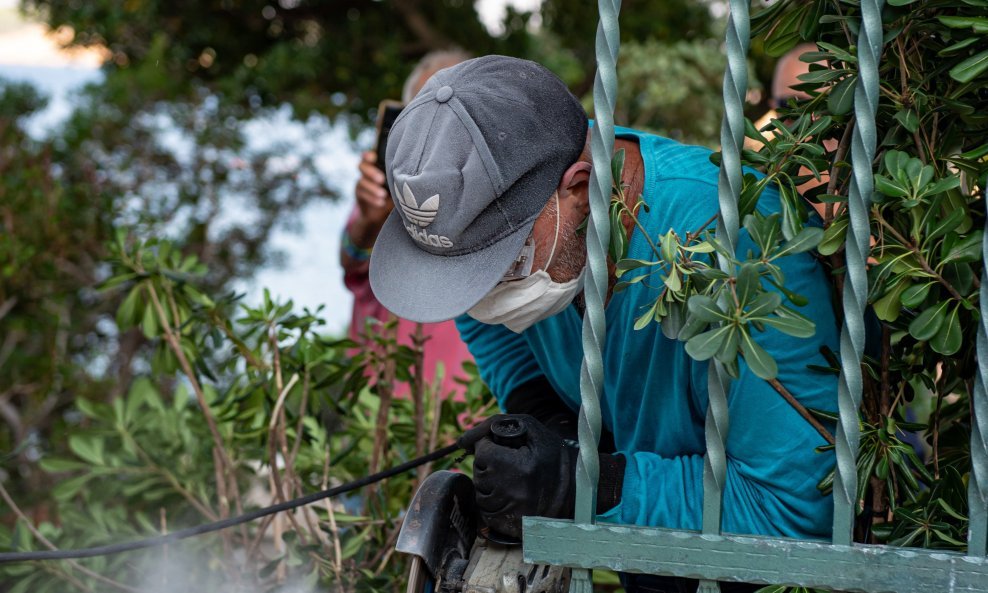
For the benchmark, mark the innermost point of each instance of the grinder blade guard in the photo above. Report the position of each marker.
(440, 532)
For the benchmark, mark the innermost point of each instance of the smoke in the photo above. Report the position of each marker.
(171, 570)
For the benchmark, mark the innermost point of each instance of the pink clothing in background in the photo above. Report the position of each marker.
(442, 343)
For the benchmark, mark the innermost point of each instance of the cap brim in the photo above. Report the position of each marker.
(417, 285)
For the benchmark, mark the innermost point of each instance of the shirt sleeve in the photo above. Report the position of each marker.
(773, 469)
(504, 358)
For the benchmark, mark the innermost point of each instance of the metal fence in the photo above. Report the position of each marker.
(709, 555)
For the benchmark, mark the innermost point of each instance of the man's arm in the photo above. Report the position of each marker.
(504, 358)
(773, 467)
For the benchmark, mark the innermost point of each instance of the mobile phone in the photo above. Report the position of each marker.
(387, 113)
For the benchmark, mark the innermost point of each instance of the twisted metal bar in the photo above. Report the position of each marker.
(852, 336)
(729, 183)
(598, 236)
(977, 494)
(728, 189)
(595, 289)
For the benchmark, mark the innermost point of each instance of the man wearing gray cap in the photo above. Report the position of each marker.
(489, 171)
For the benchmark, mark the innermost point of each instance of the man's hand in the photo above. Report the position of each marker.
(373, 201)
(527, 474)
(521, 468)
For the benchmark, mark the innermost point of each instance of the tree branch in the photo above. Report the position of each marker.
(801, 410)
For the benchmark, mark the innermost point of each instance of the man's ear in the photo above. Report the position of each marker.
(577, 174)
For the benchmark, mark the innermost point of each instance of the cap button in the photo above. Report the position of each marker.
(444, 94)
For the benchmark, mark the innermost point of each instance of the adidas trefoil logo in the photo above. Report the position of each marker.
(422, 216)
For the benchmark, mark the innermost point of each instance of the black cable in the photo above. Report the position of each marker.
(158, 540)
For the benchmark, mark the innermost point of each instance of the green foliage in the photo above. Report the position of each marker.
(331, 57)
(927, 219)
(927, 216)
(241, 407)
(714, 312)
(672, 88)
(168, 169)
(574, 23)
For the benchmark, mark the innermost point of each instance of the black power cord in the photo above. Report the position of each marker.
(8, 557)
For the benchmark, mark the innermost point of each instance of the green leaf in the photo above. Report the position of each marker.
(61, 464)
(807, 239)
(889, 306)
(948, 339)
(908, 119)
(705, 309)
(841, 98)
(90, 448)
(617, 165)
(620, 286)
(970, 68)
(759, 361)
(821, 76)
(890, 188)
(791, 323)
(130, 309)
(149, 323)
(692, 327)
(67, 489)
(838, 52)
(647, 317)
(618, 246)
(968, 249)
(928, 323)
(668, 247)
(834, 236)
(942, 185)
(977, 23)
(764, 304)
(701, 247)
(895, 161)
(626, 265)
(728, 351)
(946, 224)
(900, 2)
(673, 281)
(957, 46)
(705, 345)
(915, 295)
(748, 283)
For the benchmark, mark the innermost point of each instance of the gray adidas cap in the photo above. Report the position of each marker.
(472, 161)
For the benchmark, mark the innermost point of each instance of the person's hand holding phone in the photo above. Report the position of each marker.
(373, 198)
(373, 201)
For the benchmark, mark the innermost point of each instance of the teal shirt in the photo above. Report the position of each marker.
(654, 398)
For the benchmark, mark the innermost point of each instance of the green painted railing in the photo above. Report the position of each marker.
(710, 556)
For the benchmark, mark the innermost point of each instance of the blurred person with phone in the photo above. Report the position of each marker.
(373, 204)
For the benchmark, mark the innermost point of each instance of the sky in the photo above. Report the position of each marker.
(310, 275)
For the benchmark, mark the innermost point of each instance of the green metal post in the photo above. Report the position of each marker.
(595, 290)
(852, 336)
(977, 539)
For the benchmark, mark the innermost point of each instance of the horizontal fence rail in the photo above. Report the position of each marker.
(753, 559)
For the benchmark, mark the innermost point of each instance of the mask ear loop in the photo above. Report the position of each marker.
(555, 237)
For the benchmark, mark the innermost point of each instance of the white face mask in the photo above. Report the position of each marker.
(520, 304)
